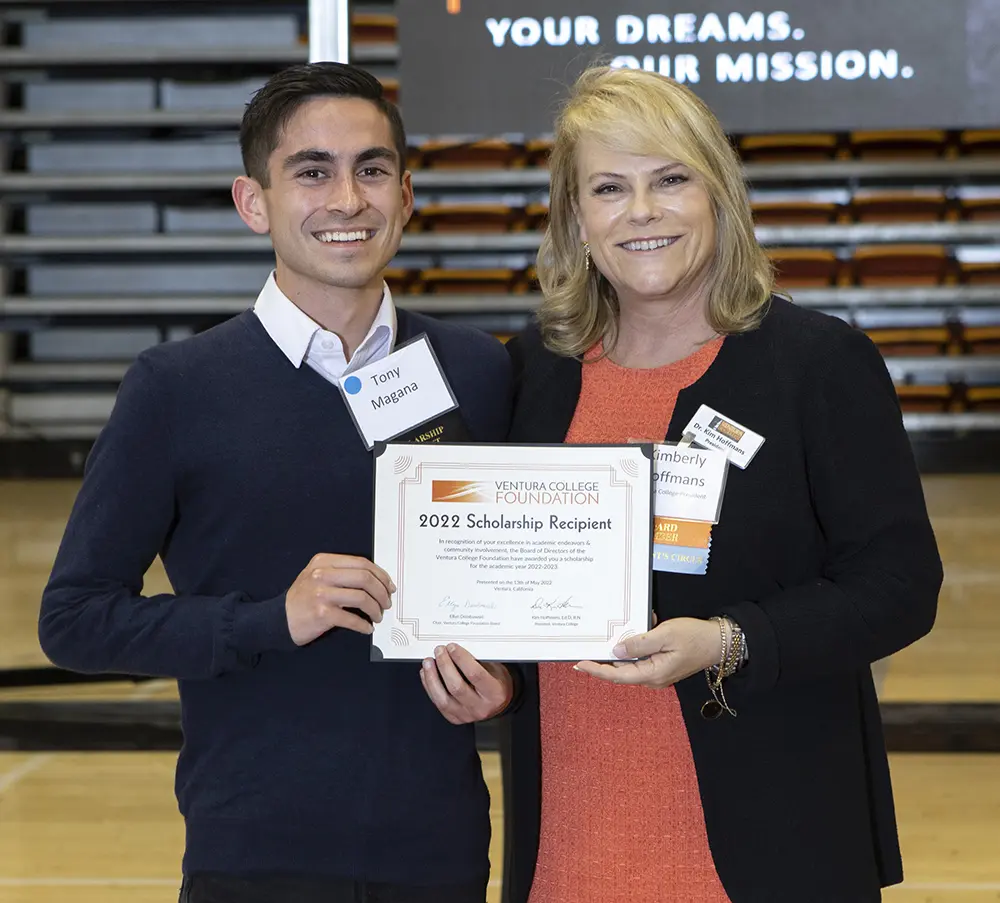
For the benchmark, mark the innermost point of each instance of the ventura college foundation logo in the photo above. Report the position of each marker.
(458, 491)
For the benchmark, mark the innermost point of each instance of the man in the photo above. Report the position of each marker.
(308, 772)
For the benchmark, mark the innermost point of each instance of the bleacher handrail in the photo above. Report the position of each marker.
(966, 233)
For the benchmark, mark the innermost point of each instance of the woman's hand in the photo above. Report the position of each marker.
(671, 651)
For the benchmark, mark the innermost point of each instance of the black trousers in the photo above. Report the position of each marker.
(292, 889)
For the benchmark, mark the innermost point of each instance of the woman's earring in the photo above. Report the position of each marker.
(586, 251)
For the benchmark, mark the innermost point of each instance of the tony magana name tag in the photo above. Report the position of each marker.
(711, 429)
(688, 485)
(399, 392)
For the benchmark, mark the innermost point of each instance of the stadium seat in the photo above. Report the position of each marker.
(978, 265)
(979, 202)
(900, 265)
(930, 341)
(374, 28)
(487, 154)
(470, 282)
(899, 143)
(982, 398)
(900, 205)
(462, 217)
(391, 88)
(785, 147)
(537, 151)
(981, 339)
(804, 267)
(926, 398)
(980, 141)
(794, 212)
(400, 280)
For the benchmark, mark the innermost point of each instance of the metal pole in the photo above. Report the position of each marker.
(329, 31)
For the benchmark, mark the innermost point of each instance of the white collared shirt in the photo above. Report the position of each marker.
(302, 339)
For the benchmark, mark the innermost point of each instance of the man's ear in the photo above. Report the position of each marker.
(407, 187)
(248, 196)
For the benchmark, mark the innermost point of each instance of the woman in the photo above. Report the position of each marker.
(622, 783)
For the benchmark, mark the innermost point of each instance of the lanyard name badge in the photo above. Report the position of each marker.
(403, 396)
(688, 487)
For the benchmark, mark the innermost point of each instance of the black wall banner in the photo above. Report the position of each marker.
(490, 67)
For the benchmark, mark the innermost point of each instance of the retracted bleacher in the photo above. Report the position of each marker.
(118, 148)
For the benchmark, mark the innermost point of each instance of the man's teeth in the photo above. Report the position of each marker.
(363, 235)
(647, 245)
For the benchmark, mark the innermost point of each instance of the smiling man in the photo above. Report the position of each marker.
(308, 772)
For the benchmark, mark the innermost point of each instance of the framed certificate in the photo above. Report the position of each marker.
(515, 552)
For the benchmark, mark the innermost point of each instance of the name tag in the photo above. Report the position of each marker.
(714, 430)
(398, 393)
(688, 482)
(688, 485)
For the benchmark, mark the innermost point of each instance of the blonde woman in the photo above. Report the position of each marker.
(622, 784)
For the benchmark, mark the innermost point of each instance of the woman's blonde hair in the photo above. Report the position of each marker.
(643, 113)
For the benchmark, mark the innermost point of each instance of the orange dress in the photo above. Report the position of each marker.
(621, 813)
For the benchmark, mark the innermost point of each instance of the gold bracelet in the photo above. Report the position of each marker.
(732, 650)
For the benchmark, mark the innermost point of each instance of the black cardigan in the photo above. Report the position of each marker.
(826, 558)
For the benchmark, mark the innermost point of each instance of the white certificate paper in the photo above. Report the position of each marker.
(515, 552)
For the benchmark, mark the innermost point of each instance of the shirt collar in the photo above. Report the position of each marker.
(292, 329)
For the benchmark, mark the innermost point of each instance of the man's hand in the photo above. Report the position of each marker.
(321, 595)
(464, 689)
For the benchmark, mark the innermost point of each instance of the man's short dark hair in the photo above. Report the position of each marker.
(271, 108)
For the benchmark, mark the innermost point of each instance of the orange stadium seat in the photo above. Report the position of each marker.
(488, 153)
(497, 281)
(442, 217)
(907, 205)
(978, 266)
(978, 202)
(926, 398)
(399, 280)
(929, 341)
(899, 143)
(980, 141)
(374, 28)
(981, 339)
(537, 215)
(784, 147)
(391, 88)
(804, 267)
(537, 151)
(983, 398)
(900, 265)
(794, 212)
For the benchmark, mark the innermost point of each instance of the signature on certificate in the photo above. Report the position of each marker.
(451, 604)
(557, 604)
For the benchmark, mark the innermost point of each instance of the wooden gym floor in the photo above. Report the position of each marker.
(104, 828)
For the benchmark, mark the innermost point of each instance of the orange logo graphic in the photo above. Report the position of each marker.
(454, 7)
(727, 429)
(458, 491)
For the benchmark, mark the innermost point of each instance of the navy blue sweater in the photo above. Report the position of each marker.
(237, 468)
